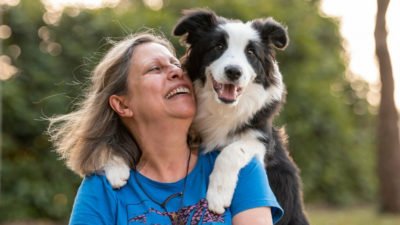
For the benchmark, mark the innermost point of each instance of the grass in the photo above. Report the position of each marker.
(362, 215)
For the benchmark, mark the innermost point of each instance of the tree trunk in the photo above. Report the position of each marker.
(388, 148)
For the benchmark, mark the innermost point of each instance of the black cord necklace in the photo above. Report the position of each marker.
(174, 217)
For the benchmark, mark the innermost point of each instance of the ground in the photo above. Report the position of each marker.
(360, 215)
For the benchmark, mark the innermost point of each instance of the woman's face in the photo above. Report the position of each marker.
(157, 86)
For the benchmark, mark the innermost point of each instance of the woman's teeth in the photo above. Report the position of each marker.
(178, 91)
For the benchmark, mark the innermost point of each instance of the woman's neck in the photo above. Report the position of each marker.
(165, 152)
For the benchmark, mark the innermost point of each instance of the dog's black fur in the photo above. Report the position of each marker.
(200, 34)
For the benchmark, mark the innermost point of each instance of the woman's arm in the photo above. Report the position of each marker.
(255, 216)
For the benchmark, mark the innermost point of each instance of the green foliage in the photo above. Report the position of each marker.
(34, 183)
(331, 144)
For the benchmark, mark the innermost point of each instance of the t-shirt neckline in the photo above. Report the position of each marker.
(179, 183)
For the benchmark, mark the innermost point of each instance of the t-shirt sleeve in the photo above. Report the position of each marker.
(95, 202)
(253, 191)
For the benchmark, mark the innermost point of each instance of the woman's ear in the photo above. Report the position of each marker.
(117, 103)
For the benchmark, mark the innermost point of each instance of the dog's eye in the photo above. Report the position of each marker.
(250, 51)
(220, 46)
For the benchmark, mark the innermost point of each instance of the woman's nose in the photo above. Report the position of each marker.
(175, 72)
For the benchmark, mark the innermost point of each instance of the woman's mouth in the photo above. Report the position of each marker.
(177, 91)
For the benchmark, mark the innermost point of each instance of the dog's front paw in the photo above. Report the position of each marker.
(117, 172)
(220, 191)
(215, 202)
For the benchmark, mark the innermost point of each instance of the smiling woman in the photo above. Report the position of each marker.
(171, 90)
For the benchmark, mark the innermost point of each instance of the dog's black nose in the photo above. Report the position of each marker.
(233, 72)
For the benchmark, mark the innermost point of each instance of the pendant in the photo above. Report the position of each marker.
(176, 220)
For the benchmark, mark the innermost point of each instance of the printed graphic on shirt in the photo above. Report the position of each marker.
(195, 214)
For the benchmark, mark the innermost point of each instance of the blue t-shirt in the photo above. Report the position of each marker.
(97, 203)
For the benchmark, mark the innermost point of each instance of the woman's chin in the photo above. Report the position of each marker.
(183, 112)
(184, 107)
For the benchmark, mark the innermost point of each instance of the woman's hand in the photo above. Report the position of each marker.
(255, 216)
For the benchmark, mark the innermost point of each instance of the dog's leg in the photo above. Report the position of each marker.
(117, 171)
(283, 176)
(227, 166)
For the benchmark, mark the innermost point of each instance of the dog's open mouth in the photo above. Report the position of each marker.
(227, 93)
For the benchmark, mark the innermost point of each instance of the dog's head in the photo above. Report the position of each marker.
(229, 57)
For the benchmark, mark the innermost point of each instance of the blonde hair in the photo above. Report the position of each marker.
(88, 136)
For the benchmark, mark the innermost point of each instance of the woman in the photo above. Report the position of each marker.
(140, 106)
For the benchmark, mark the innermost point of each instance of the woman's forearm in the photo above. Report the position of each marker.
(255, 216)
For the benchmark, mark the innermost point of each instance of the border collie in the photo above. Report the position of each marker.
(239, 91)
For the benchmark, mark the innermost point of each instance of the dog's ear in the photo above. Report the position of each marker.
(195, 23)
(272, 32)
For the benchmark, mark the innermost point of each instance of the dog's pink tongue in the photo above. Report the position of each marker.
(228, 92)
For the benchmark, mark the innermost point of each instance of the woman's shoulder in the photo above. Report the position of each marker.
(211, 156)
(95, 202)
(254, 163)
(207, 160)
(96, 184)
(95, 179)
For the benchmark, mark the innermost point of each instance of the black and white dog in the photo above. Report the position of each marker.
(239, 91)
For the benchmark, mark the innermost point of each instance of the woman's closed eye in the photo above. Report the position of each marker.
(178, 65)
(153, 69)
(158, 68)
(175, 62)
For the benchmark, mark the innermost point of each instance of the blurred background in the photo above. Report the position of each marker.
(344, 141)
